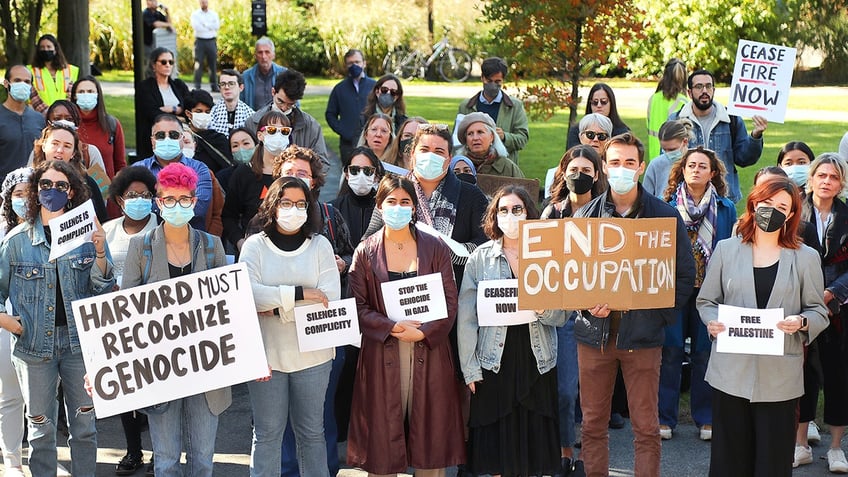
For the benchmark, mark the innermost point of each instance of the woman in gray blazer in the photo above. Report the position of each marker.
(764, 266)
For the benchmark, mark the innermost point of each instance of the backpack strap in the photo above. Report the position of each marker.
(329, 216)
(210, 251)
(147, 250)
(113, 127)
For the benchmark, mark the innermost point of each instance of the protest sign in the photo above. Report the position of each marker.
(100, 177)
(415, 299)
(170, 339)
(71, 229)
(750, 330)
(762, 76)
(497, 304)
(457, 248)
(578, 263)
(322, 328)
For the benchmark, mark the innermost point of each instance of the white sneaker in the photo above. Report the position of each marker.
(13, 472)
(665, 432)
(813, 436)
(706, 433)
(61, 471)
(836, 461)
(803, 455)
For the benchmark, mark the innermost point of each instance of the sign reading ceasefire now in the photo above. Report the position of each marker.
(578, 263)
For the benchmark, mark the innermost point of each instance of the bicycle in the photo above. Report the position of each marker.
(454, 63)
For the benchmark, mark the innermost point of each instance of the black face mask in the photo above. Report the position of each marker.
(769, 219)
(579, 183)
(470, 178)
(46, 55)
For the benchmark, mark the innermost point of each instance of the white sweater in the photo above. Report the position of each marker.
(274, 274)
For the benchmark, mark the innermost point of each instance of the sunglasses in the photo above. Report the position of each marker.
(166, 62)
(61, 186)
(160, 135)
(284, 130)
(385, 90)
(515, 210)
(432, 127)
(591, 135)
(600, 102)
(355, 170)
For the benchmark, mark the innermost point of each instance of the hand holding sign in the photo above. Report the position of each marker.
(760, 125)
(98, 238)
(409, 333)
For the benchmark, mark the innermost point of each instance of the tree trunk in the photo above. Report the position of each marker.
(73, 32)
(574, 73)
(20, 21)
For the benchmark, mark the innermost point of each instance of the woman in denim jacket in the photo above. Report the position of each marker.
(510, 370)
(41, 291)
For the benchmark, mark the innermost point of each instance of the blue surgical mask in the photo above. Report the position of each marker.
(177, 215)
(87, 101)
(621, 179)
(167, 148)
(20, 91)
(798, 173)
(396, 217)
(429, 166)
(19, 205)
(138, 208)
(674, 155)
(243, 156)
(53, 200)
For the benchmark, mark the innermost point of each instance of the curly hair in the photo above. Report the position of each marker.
(38, 152)
(75, 179)
(267, 212)
(675, 176)
(559, 189)
(293, 153)
(122, 180)
(178, 176)
(489, 224)
(747, 226)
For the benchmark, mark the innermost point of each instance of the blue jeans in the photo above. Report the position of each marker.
(39, 380)
(299, 395)
(331, 432)
(567, 381)
(688, 325)
(188, 419)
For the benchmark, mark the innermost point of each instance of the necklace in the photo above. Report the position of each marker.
(399, 245)
(183, 259)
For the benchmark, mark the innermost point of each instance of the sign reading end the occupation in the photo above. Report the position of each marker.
(322, 328)
(497, 304)
(750, 330)
(415, 299)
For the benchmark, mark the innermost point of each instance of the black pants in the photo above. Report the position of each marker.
(205, 50)
(752, 439)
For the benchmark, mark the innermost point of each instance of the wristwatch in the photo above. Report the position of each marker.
(803, 322)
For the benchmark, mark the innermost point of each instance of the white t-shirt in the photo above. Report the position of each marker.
(119, 242)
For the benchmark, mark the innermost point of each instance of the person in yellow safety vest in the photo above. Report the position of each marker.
(52, 76)
(669, 98)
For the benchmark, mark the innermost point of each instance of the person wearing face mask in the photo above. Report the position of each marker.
(213, 148)
(463, 168)
(48, 347)
(242, 145)
(97, 127)
(362, 174)
(52, 76)
(386, 98)
(674, 137)
(630, 339)
(696, 188)
(132, 190)
(405, 134)
(347, 100)
(171, 250)
(480, 143)
(20, 125)
(513, 429)
(407, 414)
(165, 141)
(507, 111)
(755, 397)
(795, 158)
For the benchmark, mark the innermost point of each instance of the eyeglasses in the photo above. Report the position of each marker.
(61, 186)
(285, 104)
(600, 102)
(385, 90)
(166, 62)
(284, 130)
(355, 170)
(432, 127)
(591, 135)
(299, 174)
(228, 84)
(160, 135)
(169, 202)
(135, 195)
(703, 87)
(515, 210)
(287, 204)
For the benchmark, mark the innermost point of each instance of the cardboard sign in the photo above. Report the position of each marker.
(322, 328)
(415, 299)
(497, 304)
(170, 339)
(575, 264)
(762, 76)
(750, 330)
(101, 178)
(71, 229)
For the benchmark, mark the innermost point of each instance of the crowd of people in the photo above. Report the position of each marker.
(242, 177)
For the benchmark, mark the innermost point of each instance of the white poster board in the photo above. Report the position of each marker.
(71, 229)
(762, 76)
(415, 299)
(750, 330)
(457, 248)
(497, 304)
(170, 339)
(322, 328)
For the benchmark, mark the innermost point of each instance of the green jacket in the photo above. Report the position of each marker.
(511, 118)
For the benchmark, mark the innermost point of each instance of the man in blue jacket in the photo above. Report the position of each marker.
(716, 130)
(347, 100)
(632, 339)
(259, 78)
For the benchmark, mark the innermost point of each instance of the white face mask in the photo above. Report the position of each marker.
(621, 179)
(275, 143)
(291, 220)
(361, 184)
(509, 224)
(201, 120)
(188, 152)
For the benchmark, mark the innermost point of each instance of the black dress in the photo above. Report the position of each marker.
(514, 422)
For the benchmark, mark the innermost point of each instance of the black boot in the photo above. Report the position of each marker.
(565, 468)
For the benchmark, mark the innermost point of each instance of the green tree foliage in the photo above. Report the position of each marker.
(20, 20)
(819, 24)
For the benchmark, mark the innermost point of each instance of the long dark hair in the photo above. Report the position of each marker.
(371, 105)
(391, 183)
(267, 213)
(272, 116)
(617, 123)
(489, 223)
(58, 62)
(75, 179)
(100, 109)
(379, 172)
(559, 189)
